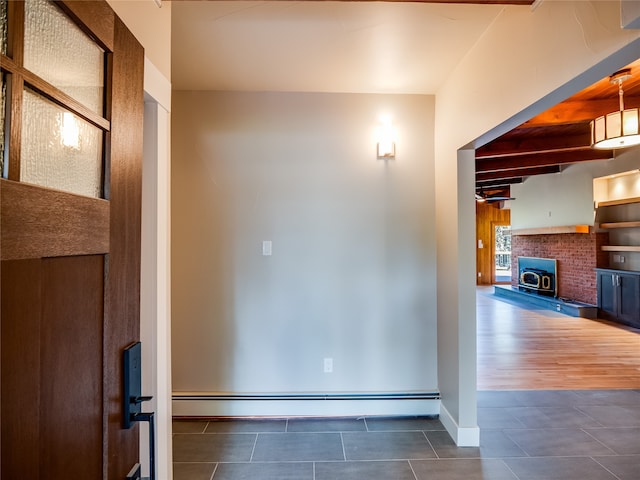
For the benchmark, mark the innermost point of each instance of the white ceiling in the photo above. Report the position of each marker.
(324, 46)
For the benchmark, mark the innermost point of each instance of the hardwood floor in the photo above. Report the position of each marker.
(522, 347)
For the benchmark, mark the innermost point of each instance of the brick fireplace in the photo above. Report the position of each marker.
(577, 254)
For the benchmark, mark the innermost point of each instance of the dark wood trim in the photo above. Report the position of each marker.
(16, 88)
(74, 225)
(122, 288)
(15, 47)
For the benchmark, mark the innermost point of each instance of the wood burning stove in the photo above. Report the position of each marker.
(537, 275)
(538, 280)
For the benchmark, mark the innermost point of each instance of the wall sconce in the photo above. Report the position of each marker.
(386, 147)
(70, 131)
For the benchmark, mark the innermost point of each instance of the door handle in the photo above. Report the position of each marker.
(149, 417)
(132, 404)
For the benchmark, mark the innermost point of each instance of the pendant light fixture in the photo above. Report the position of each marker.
(617, 129)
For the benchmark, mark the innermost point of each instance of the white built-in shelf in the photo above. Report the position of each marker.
(620, 225)
(621, 248)
(622, 201)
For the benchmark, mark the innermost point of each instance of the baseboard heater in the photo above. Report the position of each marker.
(309, 396)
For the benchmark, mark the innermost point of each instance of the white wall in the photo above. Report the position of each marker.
(565, 198)
(151, 26)
(525, 63)
(352, 275)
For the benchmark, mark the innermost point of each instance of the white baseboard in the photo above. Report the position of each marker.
(283, 406)
(463, 436)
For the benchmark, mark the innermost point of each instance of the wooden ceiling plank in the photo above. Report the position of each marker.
(580, 111)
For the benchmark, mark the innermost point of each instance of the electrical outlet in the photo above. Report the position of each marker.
(328, 365)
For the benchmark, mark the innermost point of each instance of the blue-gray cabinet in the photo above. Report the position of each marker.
(619, 295)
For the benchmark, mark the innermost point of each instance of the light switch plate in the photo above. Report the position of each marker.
(266, 248)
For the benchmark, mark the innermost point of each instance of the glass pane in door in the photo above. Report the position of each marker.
(59, 149)
(58, 51)
(502, 249)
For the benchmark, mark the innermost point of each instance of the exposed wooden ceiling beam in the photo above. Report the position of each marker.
(540, 160)
(498, 183)
(519, 173)
(520, 145)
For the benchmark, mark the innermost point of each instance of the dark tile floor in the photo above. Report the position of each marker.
(524, 435)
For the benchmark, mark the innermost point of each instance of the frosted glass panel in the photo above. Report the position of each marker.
(59, 149)
(58, 51)
(3, 26)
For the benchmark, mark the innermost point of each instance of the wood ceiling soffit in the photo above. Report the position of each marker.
(541, 160)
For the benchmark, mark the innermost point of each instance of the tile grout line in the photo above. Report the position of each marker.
(601, 443)
(415, 476)
(617, 477)
(424, 434)
(509, 468)
(255, 442)
(215, 469)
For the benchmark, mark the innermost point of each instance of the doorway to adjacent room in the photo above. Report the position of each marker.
(501, 252)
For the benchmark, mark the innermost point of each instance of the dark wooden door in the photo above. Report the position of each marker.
(70, 285)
